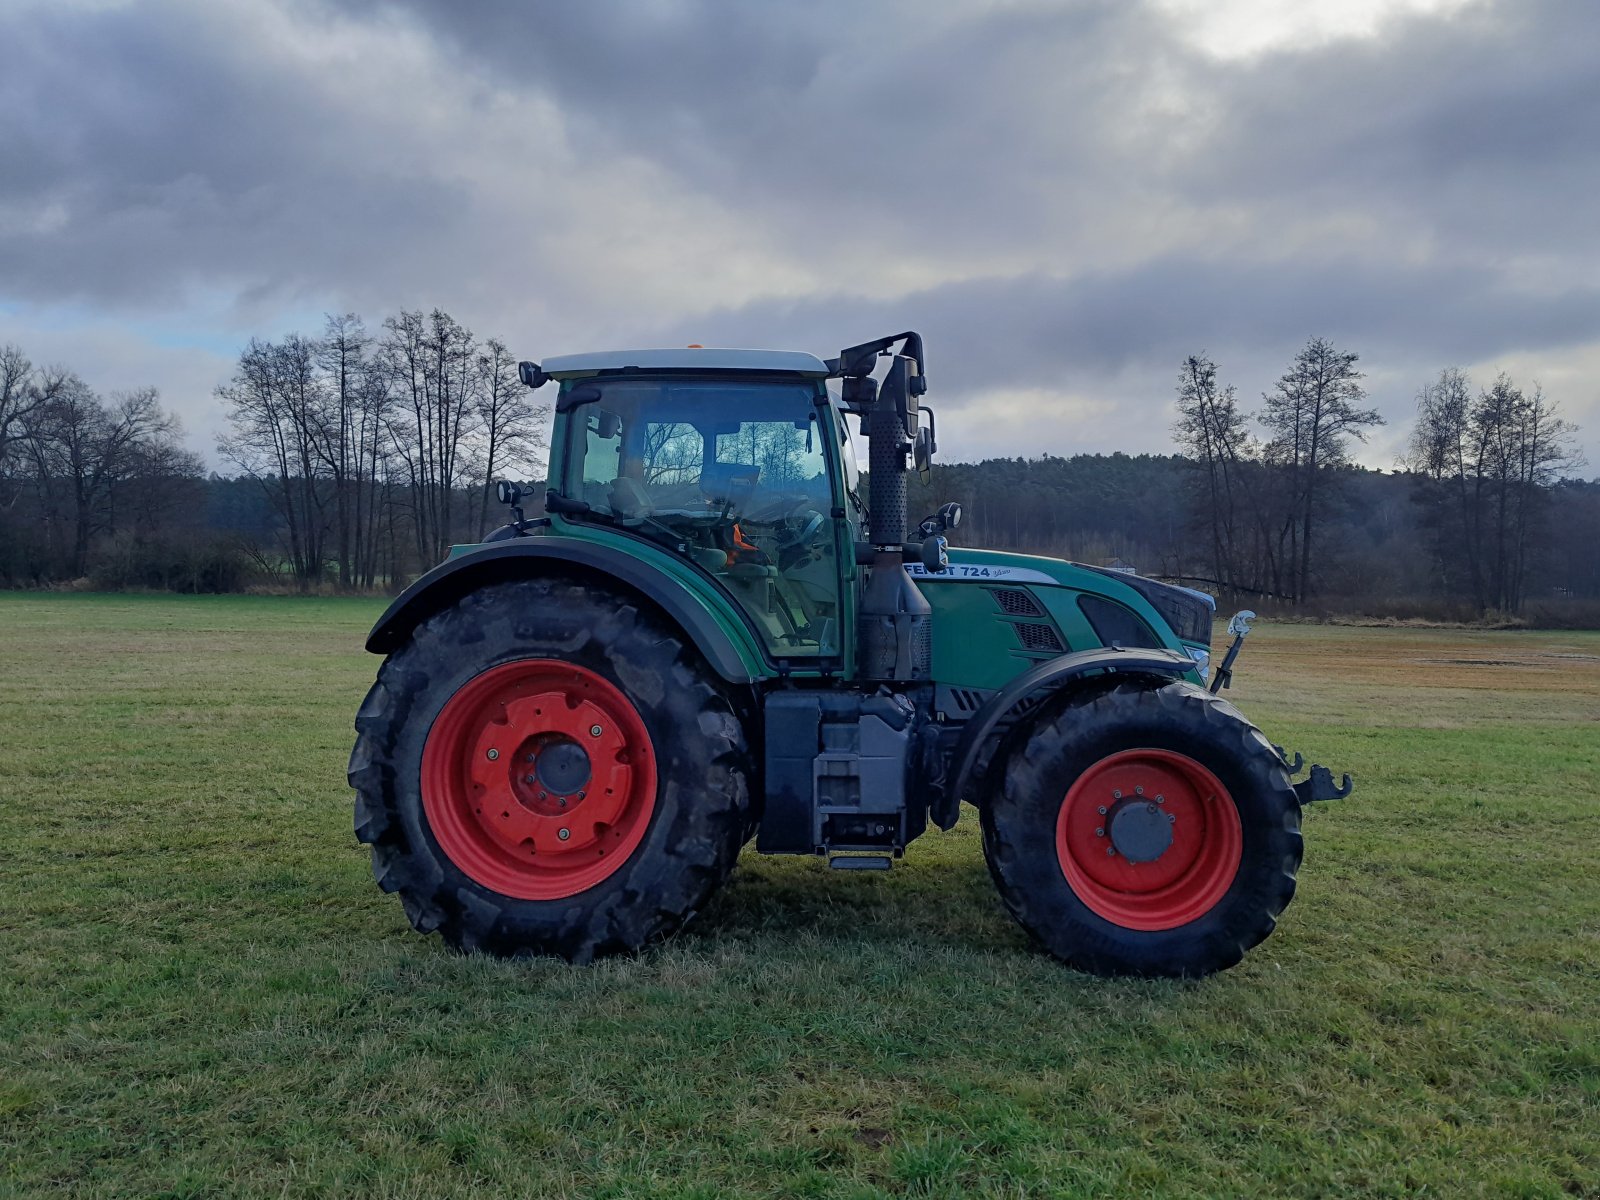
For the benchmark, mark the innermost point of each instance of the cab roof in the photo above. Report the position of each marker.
(793, 362)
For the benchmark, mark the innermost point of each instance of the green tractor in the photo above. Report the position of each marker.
(714, 635)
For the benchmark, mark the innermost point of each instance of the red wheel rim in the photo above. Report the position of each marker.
(1149, 797)
(538, 779)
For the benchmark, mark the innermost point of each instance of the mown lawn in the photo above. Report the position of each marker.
(203, 994)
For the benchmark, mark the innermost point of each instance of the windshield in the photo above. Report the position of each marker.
(731, 474)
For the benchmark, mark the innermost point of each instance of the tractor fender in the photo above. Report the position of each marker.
(519, 558)
(986, 725)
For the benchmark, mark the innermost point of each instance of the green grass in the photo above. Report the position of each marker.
(203, 994)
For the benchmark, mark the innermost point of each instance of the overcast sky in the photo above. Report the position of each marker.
(1065, 198)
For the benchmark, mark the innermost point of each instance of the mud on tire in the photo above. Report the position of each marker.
(693, 828)
(1215, 903)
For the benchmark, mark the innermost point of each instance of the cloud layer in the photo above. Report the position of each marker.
(1065, 198)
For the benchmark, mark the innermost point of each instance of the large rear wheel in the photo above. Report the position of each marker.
(545, 769)
(1144, 831)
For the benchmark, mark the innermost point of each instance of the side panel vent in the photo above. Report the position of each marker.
(1015, 602)
(1038, 638)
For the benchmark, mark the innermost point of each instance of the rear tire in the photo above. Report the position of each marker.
(1144, 831)
(491, 807)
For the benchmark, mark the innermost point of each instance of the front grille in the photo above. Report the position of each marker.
(1038, 637)
(1015, 602)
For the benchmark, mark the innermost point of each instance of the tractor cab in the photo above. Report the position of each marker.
(736, 462)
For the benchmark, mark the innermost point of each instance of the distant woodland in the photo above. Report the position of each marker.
(357, 456)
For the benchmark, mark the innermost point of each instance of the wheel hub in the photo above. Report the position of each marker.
(552, 766)
(1140, 830)
(1148, 838)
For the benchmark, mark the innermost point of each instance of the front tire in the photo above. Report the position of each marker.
(545, 769)
(1144, 831)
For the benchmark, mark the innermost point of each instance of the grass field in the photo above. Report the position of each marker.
(203, 994)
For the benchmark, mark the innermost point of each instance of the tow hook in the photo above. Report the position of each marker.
(1319, 786)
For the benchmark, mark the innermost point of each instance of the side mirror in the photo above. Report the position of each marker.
(895, 392)
(607, 425)
(531, 375)
(922, 454)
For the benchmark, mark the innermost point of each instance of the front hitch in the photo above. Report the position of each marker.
(1319, 786)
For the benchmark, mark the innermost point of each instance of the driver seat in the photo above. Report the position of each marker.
(629, 500)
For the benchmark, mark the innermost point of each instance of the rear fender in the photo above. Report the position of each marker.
(988, 725)
(525, 557)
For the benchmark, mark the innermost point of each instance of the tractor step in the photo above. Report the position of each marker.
(860, 862)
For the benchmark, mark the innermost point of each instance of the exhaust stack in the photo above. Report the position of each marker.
(896, 619)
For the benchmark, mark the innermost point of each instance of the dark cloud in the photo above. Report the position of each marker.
(1066, 198)
(1017, 332)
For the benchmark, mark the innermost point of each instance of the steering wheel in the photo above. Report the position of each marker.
(811, 527)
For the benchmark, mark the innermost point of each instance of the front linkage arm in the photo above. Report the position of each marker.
(1319, 785)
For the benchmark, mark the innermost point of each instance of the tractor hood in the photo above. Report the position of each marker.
(1186, 612)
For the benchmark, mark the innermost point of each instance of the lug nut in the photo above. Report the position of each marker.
(527, 779)
(1100, 832)
(1171, 817)
(493, 754)
(1116, 793)
(1160, 799)
(1111, 851)
(1139, 791)
(1151, 808)
(595, 731)
(541, 794)
(563, 834)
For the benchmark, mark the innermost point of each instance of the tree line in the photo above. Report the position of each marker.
(83, 474)
(377, 451)
(1482, 468)
(357, 456)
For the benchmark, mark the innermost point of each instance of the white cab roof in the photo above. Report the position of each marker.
(568, 366)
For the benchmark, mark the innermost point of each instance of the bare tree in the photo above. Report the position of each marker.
(84, 450)
(1309, 415)
(508, 422)
(1211, 432)
(341, 354)
(274, 404)
(1440, 455)
(431, 364)
(1485, 468)
(25, 392)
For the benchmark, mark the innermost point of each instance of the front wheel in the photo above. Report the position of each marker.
(1145, 831)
